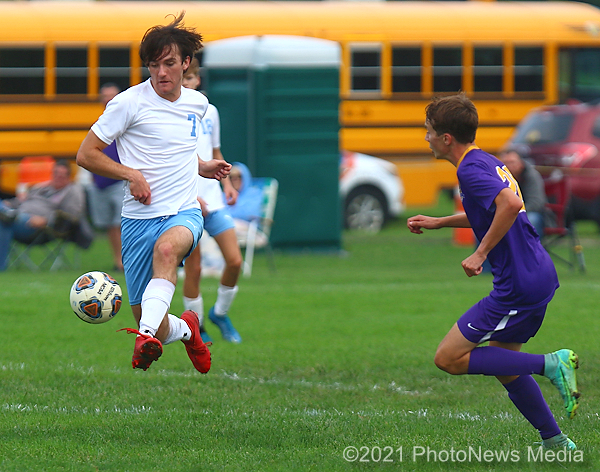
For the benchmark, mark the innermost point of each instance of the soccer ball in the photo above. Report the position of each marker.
(96, 297)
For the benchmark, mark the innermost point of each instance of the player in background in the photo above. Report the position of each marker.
(106, 195)
(217, 223)
(156, 125)
(524, 276)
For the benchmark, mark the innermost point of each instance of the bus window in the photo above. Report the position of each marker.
(114, 66)
(529, 69)
(447, 69)
(21, 70)
(487, 69)
(365, 68)
(71, 70)
(579, 74)
(406, 69)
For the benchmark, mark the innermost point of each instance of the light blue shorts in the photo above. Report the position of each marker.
(139, 237)
(218, 221)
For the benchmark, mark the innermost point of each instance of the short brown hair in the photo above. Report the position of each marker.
(518, 150)
(159, 41)
(455, 115)
(63, 163)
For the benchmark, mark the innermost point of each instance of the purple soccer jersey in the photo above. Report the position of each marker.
(101, 181)
(524, 274)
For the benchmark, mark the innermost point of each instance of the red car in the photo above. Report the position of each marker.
(567, 137)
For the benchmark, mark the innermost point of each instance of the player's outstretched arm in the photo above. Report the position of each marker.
(230, 193)
(213, 169)
(417, 223)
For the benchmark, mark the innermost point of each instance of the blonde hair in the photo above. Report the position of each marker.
(194, 67)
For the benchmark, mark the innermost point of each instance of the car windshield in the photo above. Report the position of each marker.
(544, 128)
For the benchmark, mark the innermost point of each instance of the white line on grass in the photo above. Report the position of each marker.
(232, 376)
(28, 408)
(33, 286)
(11, 366)
(422, 413)
(392, 386)
(367, 287)
(400, 286)
(580, 285)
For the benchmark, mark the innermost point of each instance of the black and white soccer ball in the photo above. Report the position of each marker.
(96, 297)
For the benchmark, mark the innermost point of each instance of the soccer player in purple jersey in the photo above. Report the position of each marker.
(524, 275)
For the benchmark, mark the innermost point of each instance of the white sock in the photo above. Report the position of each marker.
(155, 304)
(225, 296)
(178, 330)
(195, 304)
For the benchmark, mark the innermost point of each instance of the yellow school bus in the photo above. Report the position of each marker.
(507, 56)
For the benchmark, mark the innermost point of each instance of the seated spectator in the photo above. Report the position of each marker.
(531, 184)
(47, 204)
(248, 206)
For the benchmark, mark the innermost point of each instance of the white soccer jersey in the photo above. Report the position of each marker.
(159, 138)
(209, 190)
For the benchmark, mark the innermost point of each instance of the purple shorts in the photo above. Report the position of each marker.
(489, 321)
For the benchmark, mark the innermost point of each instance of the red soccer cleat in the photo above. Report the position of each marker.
(147, 349)
(195, 347)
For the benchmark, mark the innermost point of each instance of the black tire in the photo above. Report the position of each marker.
(365, 209)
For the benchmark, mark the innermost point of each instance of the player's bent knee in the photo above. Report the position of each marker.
(440, 363)
(235, 263)
(165, 251)
(446, 363)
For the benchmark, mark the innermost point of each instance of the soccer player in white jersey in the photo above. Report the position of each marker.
(217, 223)
(155, 125)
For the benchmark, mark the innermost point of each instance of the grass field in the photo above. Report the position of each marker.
(337, 353)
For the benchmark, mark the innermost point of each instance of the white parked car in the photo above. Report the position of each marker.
(371, 191)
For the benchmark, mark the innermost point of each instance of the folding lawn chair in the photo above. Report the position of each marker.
(558, 193)
(261, 226)
(60, 245)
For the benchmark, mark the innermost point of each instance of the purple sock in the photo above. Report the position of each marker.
(525, 393)
(492, 360)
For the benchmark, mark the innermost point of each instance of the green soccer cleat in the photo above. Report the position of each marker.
(560, 441)
(560, 368)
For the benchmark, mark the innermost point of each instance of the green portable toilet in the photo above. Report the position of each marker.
(278, 98)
